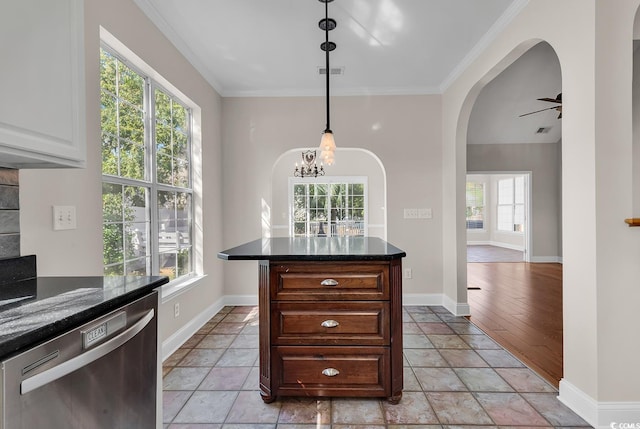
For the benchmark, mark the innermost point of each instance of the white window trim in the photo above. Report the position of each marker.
(135, 62)
(330, 180)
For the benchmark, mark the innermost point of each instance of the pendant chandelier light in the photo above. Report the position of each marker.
(327, 143)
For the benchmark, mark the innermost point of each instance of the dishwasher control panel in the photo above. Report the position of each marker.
(98, 333)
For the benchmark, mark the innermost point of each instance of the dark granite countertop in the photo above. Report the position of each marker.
(49, 306)
(314, 249)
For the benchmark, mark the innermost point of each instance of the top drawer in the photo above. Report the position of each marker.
(308, 281)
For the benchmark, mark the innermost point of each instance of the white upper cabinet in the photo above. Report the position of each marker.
(42, 85)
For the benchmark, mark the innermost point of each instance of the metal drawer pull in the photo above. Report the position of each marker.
(330, 372)
(329, 323)
(329, 282)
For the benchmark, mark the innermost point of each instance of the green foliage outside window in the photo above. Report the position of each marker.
(321, 209)
(128, 186)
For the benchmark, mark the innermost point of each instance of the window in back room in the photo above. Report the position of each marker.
(475, 205)
(511, 209)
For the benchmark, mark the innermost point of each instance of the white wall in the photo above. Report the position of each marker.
(79, 251)
(593, 40)
(403, 131)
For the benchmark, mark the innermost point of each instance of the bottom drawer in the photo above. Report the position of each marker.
(332, 371)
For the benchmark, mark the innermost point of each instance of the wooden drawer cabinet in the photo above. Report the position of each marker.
(332, 371)
(331, 329)
(330, 281)
(327, 323)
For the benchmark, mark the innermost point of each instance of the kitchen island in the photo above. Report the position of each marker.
(330, 316)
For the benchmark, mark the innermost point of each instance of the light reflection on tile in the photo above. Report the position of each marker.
(305, 410)
(356, 411)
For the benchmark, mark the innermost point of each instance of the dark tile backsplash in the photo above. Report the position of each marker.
(9, 213)
(8, 176)
(17, 269)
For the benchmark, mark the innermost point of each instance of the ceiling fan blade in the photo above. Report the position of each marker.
(551, 100)
(537, 111)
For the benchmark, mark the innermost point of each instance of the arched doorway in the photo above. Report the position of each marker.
(508, 300)
(354, 162)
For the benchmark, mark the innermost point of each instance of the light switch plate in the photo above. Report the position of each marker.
(410, 213)
(64, 217)
(424, 214)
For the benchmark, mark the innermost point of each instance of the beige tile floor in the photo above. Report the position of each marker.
(455, 377)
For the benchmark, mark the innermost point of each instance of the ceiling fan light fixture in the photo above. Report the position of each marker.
(557, 108)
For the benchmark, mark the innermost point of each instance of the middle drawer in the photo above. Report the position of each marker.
(330, 323)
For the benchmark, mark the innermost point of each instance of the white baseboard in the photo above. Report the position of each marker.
(546, 259)
(581, 403)
(458, 309)
(619, 413)
(496, 244)
(601, 415)
(241, 300)
(179, 337)
(422, 299)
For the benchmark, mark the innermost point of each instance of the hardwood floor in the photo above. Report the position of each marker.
(519, 305)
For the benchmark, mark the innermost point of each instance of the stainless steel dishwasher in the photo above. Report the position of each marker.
(100, 375)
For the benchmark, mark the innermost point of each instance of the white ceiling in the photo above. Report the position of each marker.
(272, 48)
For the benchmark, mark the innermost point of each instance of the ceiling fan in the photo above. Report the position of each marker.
(558, 100)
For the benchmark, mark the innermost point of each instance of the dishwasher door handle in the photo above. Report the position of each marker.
(67, 367)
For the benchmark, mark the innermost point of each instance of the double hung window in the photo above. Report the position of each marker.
(147, 193)
(475, 205)
(511, 195)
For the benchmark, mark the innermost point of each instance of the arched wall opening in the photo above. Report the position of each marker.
(599, 251)
(514, 127)
(349, 162)
(461, 138)
(503, 136)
